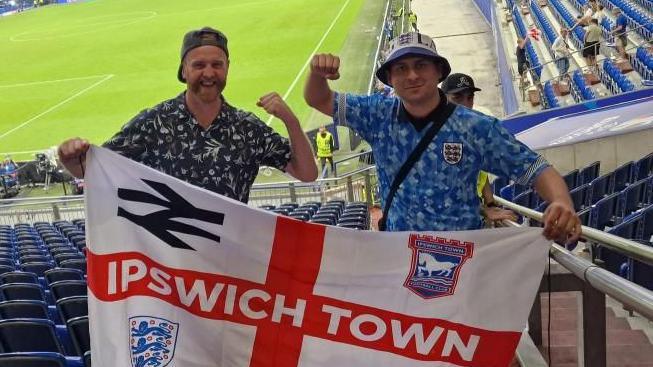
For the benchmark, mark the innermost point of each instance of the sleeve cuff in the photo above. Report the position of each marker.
(533, 171)
(340, 108)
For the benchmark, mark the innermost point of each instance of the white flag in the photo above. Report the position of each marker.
(180, 276)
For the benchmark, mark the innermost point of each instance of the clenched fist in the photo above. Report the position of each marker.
(326, 66)
(72, 154)
(273, 104)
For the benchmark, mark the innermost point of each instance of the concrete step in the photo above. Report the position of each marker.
(618, 355)
(569, 321)
(615, 337)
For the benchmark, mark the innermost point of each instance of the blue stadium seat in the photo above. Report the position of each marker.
(74, 264)
(18, 309)
(18, 277)
(282, 211)
(602, 214)
(87, 359)
(579, 197)
(290, 206)
(17, 335)
(61, 257)
(584, 216)
(32, 359)
(644, 167)
(39, 268)
(6, 268)
(21, 291)
(599, 188)
(79, 333)
(71, 307)
(622, 177)
(641, 273)
(645, 229)
(549, 96)
(524, 199)
(498, 183)
(68, 288)
(632, 198)
(303, 216)
(589, 173)
(323, 220)
(571, 179)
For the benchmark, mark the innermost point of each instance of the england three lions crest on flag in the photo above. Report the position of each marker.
(436, 265)
(152, 341)
(452, 152)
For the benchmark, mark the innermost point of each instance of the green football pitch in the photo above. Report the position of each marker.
(84, 69)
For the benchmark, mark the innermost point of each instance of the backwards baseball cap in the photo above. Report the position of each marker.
(458, 82)
(412, 44)
(206, 36)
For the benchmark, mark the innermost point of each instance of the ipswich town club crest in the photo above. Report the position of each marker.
(452, 152)
(152, 341)
(436, 264)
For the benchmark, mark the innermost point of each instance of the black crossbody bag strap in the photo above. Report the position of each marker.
(412, 159)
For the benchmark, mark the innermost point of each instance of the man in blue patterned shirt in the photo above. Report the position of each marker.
(199, 137)
(439, 193)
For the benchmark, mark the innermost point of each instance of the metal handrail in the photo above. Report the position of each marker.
(298, 183)
(630, 248)
(630, 294)
(350, 157)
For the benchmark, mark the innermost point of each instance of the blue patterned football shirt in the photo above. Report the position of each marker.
(439, 193)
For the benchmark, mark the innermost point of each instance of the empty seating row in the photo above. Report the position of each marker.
(334, 212)
(643, 63)
(18, 335)
(550, 99)
(614, 79)
(579, 88)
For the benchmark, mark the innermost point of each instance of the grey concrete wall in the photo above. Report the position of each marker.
(612, 151)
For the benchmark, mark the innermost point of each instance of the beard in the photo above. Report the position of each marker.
(208, 93)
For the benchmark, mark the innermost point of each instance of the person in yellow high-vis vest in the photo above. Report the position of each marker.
(412, 19)
(324, 143)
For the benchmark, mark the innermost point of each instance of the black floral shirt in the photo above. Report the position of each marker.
(224, 158)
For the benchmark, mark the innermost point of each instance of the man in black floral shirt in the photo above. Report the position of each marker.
(199, 137)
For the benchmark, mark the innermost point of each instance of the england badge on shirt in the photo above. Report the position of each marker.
(452, 152)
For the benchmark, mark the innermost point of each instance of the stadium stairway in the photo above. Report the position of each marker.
(627, 344)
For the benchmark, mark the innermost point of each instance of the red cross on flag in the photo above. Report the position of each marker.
(534, 33)
(180, 276)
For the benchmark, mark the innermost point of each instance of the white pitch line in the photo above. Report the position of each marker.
(2, 154)
(310, 56)
(52, 81)
(109, 76)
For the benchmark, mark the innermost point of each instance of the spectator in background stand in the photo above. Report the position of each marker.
(592, 43)
(600, 14)
(460, 90)
(389, 30)
(522, 62)
(412, 19)
(9, 166)
(620, 32)
(561, 51)
(584, 19)
(324, 144)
